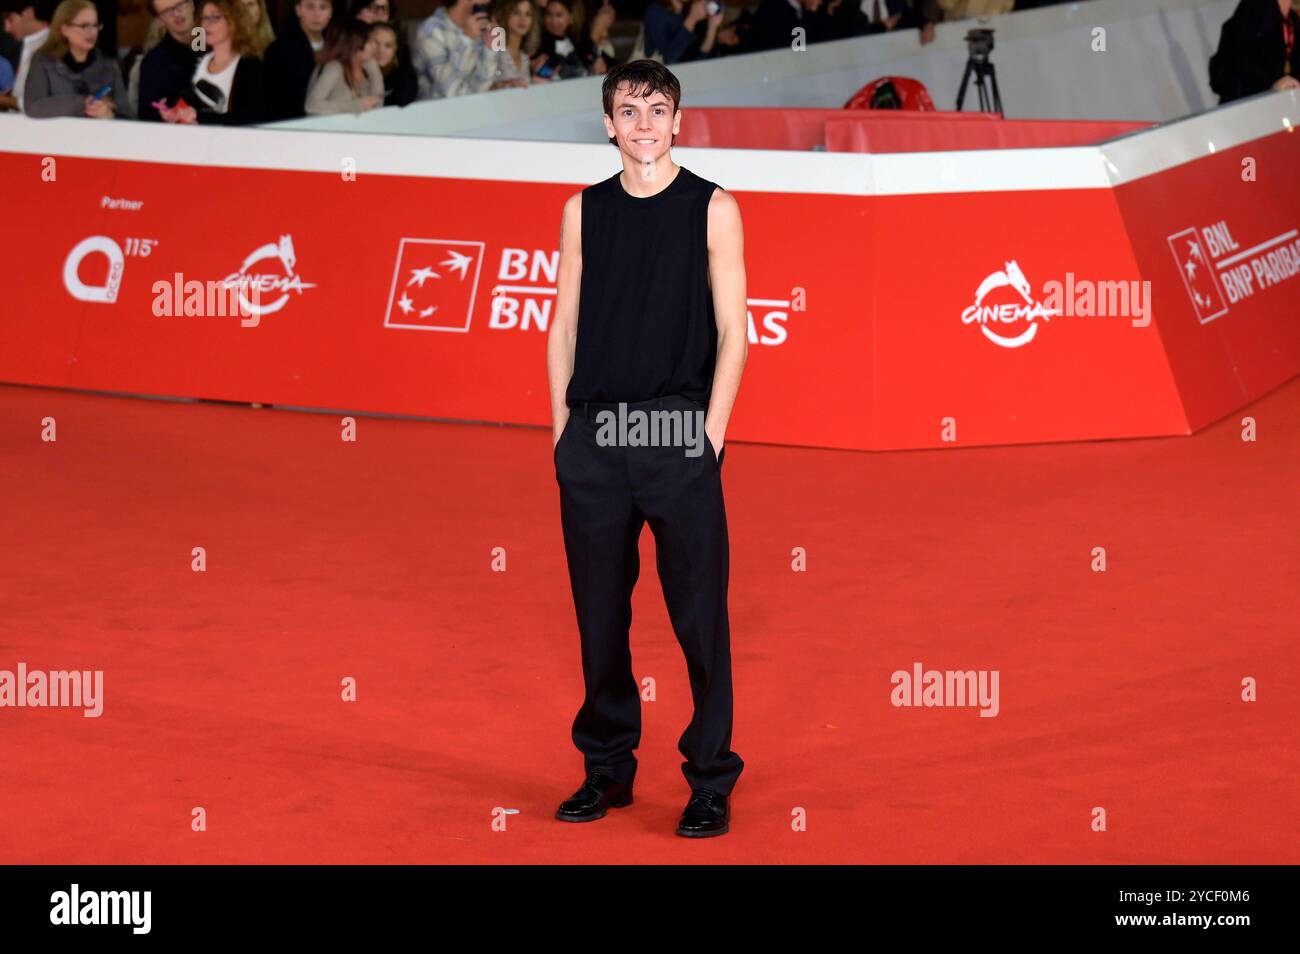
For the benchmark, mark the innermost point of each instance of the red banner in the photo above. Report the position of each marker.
(875, 321)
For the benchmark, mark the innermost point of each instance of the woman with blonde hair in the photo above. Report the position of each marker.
(259, 24)
(522, 34)
(69, 76)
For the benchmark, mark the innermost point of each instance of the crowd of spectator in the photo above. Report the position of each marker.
(221, 61)
(207, 61)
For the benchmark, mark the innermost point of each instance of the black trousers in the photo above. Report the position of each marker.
(607, 494)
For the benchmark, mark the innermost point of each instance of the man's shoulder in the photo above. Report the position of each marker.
(159, 52)
(703, 184)
(723, 211)
(287, 46)
(595, 189)
(436, 22)
(47, 64)
(577, 198)
(573, 205)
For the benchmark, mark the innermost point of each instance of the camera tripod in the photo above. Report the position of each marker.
(982, 69)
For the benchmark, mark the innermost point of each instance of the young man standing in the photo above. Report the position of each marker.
(650, 318)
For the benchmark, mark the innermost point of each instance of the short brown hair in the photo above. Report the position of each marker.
(642, 77)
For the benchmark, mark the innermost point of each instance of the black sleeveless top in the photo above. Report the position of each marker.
(645, 312)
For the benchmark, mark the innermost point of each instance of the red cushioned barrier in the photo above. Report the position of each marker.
(773, 128)
(946, 132)
(840, 130)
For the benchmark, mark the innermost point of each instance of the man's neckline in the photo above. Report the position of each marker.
(640, 199)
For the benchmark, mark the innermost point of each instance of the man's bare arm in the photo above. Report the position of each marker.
(727, 276)
(562, 338)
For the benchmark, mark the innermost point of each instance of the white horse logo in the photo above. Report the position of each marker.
(247, 280)
(1010, 277)
(1013, 276)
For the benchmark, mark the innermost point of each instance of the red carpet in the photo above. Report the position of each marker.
(373, 560)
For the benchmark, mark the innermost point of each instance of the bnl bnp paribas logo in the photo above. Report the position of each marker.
(1218, 273)
(435, 283)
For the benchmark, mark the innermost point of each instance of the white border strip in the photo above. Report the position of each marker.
(1152, 151)
(743, 170)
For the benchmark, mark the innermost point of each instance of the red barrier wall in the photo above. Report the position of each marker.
(1247, 340)
(898, 320)
(739, 127)
(884, 131)
(943, 133)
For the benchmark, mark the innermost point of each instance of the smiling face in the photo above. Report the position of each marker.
(643, 126)
(382, 45)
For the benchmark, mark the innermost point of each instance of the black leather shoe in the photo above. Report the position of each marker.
(706, 814)
(597, 793)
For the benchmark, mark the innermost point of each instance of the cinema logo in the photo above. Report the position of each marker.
(1218, 273)
(82, 689)
(524, 298)
(265, 290)
(1005, 301)
(949, 688)
(77, 907)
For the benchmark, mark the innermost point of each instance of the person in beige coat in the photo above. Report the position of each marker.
(348, 80)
